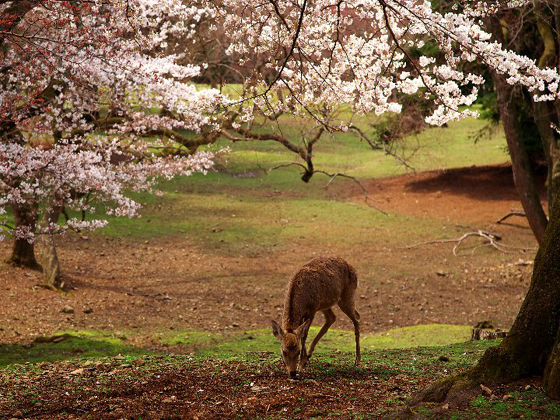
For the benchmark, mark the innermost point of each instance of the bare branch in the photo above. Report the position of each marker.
(512, 213)
(332, 177)
(491, 238)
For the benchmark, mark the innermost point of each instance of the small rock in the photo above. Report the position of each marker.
(441, 273)
(485, 390)
(234, 325)
(67, 310)
(507, 397)
(443, 359)
(88, 310)
(120, 335)
(527, 387)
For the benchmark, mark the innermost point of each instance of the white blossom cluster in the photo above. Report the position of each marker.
(358, 52)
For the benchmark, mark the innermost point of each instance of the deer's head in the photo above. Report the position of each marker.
(291, 344)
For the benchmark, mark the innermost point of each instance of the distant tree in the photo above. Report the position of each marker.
(77, 126)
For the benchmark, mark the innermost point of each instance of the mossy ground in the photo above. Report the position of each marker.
(95, 344)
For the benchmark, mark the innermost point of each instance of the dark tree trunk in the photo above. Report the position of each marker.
(552, 371)
(521, 164)
(546, 113)
(23, 252)
(544, 118)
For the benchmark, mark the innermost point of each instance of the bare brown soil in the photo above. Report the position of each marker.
(158, 285)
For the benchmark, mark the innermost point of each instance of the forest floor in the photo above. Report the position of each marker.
(256, 387)
(167, 316)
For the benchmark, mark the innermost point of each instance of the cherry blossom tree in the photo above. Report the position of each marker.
(80, 81)
(357, 52)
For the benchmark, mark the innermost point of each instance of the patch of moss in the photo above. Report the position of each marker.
(73, 345)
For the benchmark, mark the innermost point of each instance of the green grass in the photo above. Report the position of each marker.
(227, 224)
(94, 344)
(434, 148)
(226, 345)
(527, 404)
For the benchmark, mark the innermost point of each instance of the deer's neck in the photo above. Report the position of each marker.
(295, 308)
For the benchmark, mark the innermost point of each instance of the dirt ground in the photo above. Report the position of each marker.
(158, 285)
(186, 388)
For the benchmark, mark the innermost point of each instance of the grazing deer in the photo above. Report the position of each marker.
(317, 286)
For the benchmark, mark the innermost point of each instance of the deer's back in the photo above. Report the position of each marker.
(318, 285)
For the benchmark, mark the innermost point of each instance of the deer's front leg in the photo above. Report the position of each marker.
(303, 358)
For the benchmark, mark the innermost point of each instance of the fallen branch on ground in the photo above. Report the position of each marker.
(491, 240)
(512, 213)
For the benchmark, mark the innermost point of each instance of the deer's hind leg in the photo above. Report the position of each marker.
(330, 317)
(348, 307)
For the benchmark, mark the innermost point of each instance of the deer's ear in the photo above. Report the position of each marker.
(277, 330)
(303, 328)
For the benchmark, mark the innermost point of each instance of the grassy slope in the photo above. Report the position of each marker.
(239, 209)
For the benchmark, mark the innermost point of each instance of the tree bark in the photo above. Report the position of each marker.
(521, 164)
(546, 113)
(544, 118)
(47, 255)
(23, 252)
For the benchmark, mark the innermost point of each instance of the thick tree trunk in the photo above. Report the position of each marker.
(521, 164)
(546, 113)
(552, 371)
(23, 252)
